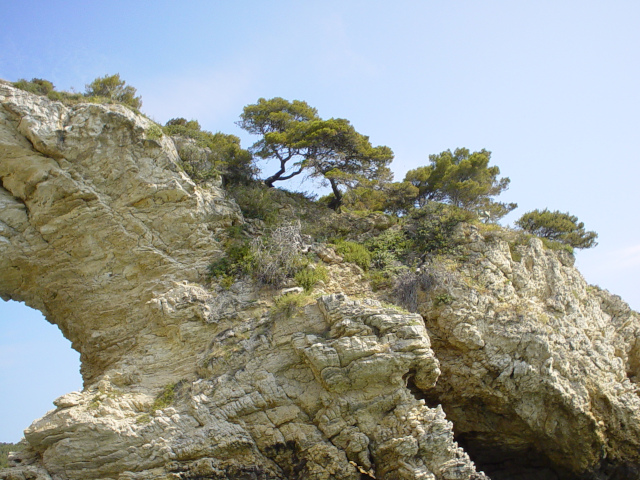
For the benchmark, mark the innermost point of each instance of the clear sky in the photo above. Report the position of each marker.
(550, 87)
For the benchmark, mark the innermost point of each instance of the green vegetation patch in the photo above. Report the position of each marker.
(432, 228)
(166, 398)
(5, 448)
(154, 132)
(213, 155)
(308, 277)
(289, 304)
(354, 253)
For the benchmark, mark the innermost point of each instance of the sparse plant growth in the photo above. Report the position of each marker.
(107, 89)
(143, 419)
(288, 304)
(154, 132)
(443, 299)
(354, 253)
(5, 448)
(113, 89)
(278, 255)
(308, 277)
(211, 155)
(165, 398)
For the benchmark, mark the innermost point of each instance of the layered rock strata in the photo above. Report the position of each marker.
(539, 369)
(102, 232)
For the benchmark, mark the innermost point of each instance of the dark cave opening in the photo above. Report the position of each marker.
(500, 447)
(499, 457)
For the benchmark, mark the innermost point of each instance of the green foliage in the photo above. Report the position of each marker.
(388, 247)
(258, 202)
(296, 138)
(112, 88)
(154, 132)
(5, 448)
(107, 89)
(433, 228)
(516, 256)
(43, 87)
(557, 227)
(308, 277)
(462, 179)
(380, 279)
(275, 206)
(213, 155)
(238, 261)
(288, 304)
(393, 198)
(143, 419)
(443, 299)
(354, 253)
(165, 398)
(36, 85)
(558, 246)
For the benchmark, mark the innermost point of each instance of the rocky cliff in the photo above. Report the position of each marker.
(510, 363)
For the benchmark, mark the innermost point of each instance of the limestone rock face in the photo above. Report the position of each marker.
(539, 370)
(102, 231)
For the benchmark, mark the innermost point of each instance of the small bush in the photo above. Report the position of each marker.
(112, 88)
(354, 253)
(213, 155)
(308, 277)
(380, 279)
(258, 202)
(433, 227)
(238, 261)
(388, 248)
(289, 304)
(443, 299)
(165, 398)
(558, 246)
(154, 132)
(38, 86)
(278, 256)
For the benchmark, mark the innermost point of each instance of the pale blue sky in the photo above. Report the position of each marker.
(550, 87)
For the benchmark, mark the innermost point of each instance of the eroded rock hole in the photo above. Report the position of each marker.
(36, 357)
(496, 443)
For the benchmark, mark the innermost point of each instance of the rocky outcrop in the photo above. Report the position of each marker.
(539, 369)
(102, 231)
(508, 352)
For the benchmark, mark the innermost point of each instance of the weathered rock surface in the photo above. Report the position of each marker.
(539, 370)
(102, 231)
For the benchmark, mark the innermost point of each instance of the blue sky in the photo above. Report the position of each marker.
(550, 87)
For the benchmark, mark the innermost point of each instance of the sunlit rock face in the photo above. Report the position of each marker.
(102, 231)
(508, 351)
(539, 369)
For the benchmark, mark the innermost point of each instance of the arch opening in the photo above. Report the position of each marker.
(37, 365)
